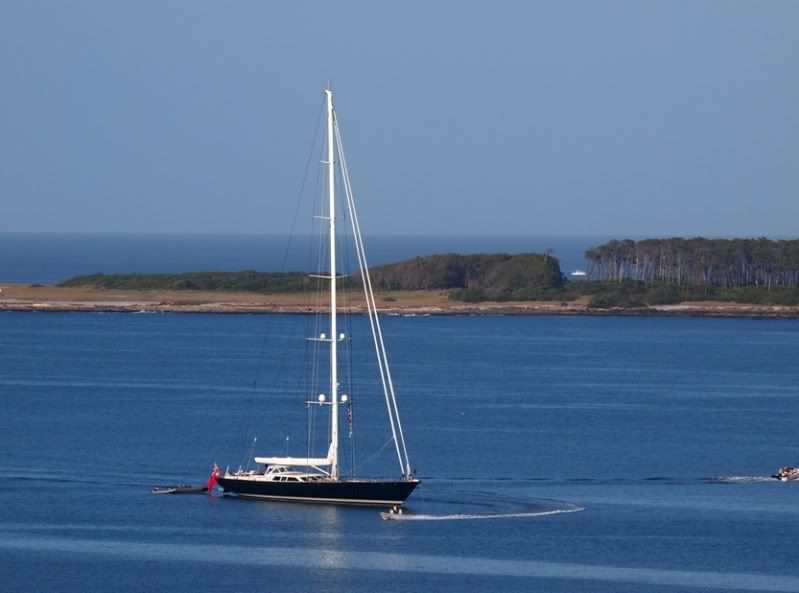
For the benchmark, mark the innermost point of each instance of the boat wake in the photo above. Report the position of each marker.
(475, 505)
(626, 481)
(470, 517)
(743, 479)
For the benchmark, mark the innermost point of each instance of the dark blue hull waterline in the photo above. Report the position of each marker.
(352, 492)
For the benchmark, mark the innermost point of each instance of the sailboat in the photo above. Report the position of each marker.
(319, 479)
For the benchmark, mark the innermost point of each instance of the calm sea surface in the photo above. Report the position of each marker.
(558, 454)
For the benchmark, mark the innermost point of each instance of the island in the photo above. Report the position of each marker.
(709, 277)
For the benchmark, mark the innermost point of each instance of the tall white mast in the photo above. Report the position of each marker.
(331, 185)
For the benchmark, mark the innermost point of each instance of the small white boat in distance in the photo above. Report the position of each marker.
(787, 474)
(578, 273)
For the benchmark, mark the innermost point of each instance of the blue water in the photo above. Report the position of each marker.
(48, 258)
(651, 440)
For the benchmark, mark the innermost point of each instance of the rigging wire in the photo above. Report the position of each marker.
(245, 426)
(347, 324)
(380, 350)
(314, 301)
(248, 455)
(318, 254)
(374, 455)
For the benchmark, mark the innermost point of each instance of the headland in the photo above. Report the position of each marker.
(677, 277)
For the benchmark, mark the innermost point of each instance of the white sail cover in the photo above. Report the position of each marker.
(301, 461)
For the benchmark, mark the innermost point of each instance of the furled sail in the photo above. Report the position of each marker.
(301, 461)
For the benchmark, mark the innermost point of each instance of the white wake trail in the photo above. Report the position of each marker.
(470, 517)
(745, 479)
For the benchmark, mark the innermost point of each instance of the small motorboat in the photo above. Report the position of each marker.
(394, 513)
(179, 489)
(787, 473)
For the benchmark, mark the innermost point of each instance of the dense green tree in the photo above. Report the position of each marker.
(721, 263)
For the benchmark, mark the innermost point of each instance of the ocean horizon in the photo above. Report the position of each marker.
(48, 258)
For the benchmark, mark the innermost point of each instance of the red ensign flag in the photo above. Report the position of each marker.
(212, 478)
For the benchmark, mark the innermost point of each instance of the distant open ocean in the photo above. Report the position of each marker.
(51, 257)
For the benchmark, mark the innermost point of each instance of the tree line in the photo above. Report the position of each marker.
(247, 281)
(470, 277)
(621, 274)
(697, 262)
(499, 276)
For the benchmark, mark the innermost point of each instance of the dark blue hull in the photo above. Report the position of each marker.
(355, 492)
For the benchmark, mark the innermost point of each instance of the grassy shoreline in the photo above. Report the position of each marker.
(31, 297)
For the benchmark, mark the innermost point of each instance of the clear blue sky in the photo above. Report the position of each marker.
(620, 118)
